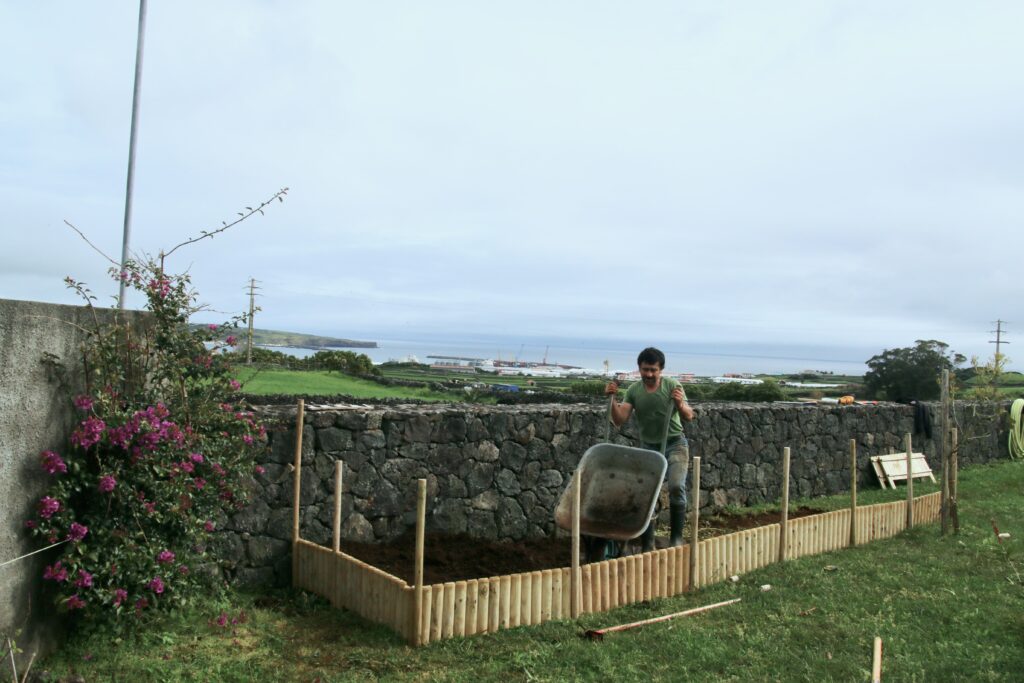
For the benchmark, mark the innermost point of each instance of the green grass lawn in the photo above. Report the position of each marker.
(323, 383)
(947, 608)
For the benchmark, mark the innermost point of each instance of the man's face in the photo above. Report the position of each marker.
(650, 373)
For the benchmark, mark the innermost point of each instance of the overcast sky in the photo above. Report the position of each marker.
(836, 174)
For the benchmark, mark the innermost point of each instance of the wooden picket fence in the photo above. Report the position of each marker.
(422, 614)
(465, 608)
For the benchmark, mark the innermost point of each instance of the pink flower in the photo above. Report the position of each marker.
(75, 602)
(107, 484)
(165, 556)
(30, 524)
(211, 327)
(235, 384)
(141, 604)
(88, 432)
(218, 469)
(121, 436)
(55, 572)
(183, 569)
(48, 507)
(199, 483)
(84, 579)
(231, 340)
(120, 595)
(260, 469)
(222, 620)
(247, 439)
(209, 526)
(161, 288)
(52, 463)
(187, 466)
(150, 507)
(197, 458)
(156, 585)
(83, 402)
(77, 532)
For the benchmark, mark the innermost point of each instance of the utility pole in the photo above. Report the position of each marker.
(130, 185)
(999, 356)
(252, 313)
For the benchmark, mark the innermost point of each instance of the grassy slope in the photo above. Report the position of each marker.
(322, 383)
(946, 608)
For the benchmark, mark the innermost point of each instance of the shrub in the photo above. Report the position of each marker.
(588, 387)
(159, 458)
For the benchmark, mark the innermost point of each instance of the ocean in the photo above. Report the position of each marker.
(702, 360)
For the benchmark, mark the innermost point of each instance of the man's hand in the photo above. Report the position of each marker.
(611, 389)
(685, 411)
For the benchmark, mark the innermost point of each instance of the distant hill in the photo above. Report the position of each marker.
(299, 340)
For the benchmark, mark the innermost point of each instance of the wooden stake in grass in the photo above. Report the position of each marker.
(783, 520)
(599, 634)
(421, 519)
(575, 597)
(853, 492)
(910, 481)
(297, 486)
(944, 441)
(954, 509)
(876, 665)
(337, 505)
(694, 522)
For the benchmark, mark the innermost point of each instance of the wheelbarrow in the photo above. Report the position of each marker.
(619, 488)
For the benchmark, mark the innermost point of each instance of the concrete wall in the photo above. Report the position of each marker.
(497, 471)
(35, 415)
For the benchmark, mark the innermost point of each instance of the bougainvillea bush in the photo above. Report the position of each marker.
(160, 456)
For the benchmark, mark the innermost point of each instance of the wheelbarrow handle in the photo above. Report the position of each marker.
(668, 423)
(608, 430)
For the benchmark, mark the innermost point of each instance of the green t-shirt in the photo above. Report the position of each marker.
(650, 410)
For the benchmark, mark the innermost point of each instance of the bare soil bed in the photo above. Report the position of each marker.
(460, 557)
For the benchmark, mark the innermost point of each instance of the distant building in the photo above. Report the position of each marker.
(738, 380)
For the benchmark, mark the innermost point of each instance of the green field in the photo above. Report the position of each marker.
(323, 383)
(947, 609)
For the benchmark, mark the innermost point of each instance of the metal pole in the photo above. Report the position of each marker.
(126, 235)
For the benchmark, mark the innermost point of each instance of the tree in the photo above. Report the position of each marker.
(911, 372)
(989, 376)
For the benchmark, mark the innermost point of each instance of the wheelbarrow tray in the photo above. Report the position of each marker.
(619, 487)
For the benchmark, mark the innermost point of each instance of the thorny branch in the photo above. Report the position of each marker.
(94, 247)
(279, 196)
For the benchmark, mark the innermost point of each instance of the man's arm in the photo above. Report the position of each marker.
(620, 411)
(679, 398)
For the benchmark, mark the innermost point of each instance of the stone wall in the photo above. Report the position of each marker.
(497, 471)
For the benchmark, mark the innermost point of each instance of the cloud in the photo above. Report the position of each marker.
(816, 174)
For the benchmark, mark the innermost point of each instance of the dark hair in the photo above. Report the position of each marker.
(653, 356)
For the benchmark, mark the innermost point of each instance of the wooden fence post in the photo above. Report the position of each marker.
(783, 536)
(421, 518)
(943, 442)
(694, 522)
(954, 504)
(297, 486)
(337, 505)
(574, 577)
(853, 492)
(910, 481)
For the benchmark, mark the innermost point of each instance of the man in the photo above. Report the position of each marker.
(651, 399)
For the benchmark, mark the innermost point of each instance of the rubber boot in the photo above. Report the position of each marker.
(647, 538)
(677, 517)
(594, 548)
